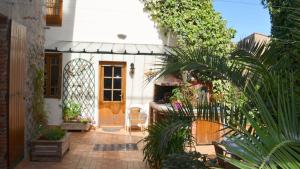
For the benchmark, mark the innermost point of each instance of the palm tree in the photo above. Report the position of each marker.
(246, 63)
(265, 128)
(274, 138)
(274, 141)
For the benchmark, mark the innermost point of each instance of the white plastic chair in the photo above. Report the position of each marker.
(136, 116)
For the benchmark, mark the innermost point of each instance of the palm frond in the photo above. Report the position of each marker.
(190, 59)
(246, 63)
(277, 142)
(168, 136)
(265, 130)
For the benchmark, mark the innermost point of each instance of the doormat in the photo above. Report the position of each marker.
(116, 147)
(111, 129)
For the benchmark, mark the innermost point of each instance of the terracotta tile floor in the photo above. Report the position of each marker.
(82, 155)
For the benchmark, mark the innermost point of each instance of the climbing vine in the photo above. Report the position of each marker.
(39, 114)
(194, 22)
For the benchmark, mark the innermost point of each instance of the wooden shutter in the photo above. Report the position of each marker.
(54, 10)
(17, 72)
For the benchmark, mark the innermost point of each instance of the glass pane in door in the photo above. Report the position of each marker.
(117, 83)
(117, 95)
(107, 95)
(107, 83)
(117, 71)
(108, 71)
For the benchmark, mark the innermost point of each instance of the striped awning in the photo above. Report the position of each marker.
(107, 48)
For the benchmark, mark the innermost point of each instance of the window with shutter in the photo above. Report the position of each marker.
(54, 12)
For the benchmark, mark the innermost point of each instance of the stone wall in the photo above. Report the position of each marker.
(4, 83)
(29, 13)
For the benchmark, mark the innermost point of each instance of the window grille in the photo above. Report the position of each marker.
(52, 75)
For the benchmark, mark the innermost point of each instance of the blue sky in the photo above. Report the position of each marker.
(245, 16)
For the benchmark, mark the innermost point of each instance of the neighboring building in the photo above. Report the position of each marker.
(256, 37)
(254, 40)
(21, 46)
(98, 54)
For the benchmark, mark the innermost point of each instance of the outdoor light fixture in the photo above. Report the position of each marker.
(122, 36)
(131, 69)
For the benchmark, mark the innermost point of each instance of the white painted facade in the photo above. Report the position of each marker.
(102, 21)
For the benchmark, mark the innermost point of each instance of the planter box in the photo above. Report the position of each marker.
(49, 150)
(76, 126)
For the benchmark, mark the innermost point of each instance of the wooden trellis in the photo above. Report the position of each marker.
(79, 86)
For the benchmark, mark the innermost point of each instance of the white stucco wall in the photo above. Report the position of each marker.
(102, 21)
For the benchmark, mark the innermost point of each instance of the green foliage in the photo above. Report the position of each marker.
(85, 120)
(265, 125)
(285, 19)
(54, 133)
(39, 114)
(274, 142)
(227, 73)
(265, 130)
(184, 160)
(165, 137)
(195, 23)
(176, 95)
(71, 111)
(201, 63)
(184, 91)
(228, 93)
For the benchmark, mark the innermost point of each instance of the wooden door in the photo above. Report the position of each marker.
(17, 74)
(112, 94)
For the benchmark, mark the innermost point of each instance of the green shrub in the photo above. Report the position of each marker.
(176, 95)
(194, 22)
(71, 111)
(158, 145)
(184, 160)
(85, 120)
(55, 133)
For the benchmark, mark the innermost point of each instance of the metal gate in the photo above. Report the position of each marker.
(17, 74)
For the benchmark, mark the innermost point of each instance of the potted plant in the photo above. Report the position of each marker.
(182, 93)
(73, 120)
(50, 145)
(176, 98)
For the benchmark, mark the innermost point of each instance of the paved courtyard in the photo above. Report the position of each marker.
(83, 156)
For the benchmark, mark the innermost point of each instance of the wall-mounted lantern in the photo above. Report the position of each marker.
(132, 69)
(122, 36)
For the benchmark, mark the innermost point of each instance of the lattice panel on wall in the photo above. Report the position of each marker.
(79, 86)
